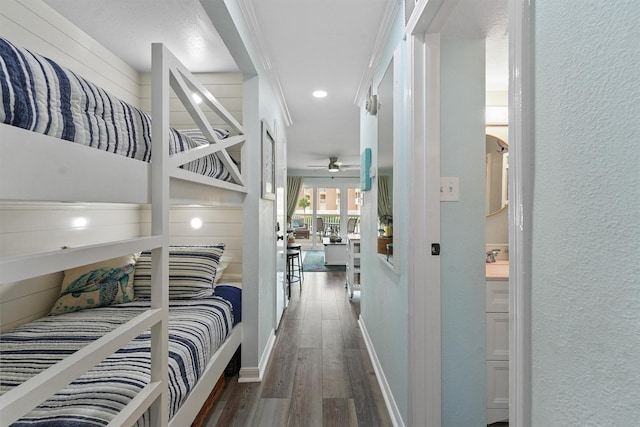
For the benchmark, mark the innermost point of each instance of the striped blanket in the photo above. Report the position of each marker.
(39, 95)
(196, 330)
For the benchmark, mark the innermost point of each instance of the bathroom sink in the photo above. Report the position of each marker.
(498, 270)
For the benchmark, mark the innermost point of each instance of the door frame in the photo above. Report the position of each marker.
(280, 218)
(521, 148)
(424, 286)
(424, 385)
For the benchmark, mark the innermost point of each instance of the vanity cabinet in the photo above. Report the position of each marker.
(353, 263)
(497, 357)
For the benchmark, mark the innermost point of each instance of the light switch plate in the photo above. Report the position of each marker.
(449, 189)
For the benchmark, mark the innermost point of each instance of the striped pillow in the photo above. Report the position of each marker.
(192, 270)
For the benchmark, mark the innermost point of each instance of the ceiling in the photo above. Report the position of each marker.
(311, 44)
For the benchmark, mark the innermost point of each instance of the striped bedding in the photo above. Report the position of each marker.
(41, 96)
(196, 329)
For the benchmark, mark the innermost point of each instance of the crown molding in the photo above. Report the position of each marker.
(390, 13)
(253, 26)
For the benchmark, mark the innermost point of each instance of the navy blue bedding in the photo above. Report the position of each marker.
(39, 95)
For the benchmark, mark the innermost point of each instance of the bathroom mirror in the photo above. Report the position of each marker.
(497, 174)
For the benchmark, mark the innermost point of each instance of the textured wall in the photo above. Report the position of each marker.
(586, 256)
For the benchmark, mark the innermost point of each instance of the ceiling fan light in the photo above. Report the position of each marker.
(334, 168)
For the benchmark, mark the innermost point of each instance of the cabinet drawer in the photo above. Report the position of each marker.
(497, 297)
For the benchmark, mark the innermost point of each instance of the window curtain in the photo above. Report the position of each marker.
(384, 197)
(294, 184)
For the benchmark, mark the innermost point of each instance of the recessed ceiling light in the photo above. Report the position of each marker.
(319, 93)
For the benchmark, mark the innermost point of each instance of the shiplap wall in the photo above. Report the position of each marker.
(36, 227)
(226, 87)
(219, 225)
(34, 25)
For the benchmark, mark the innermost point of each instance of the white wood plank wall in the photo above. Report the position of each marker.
(34, 25)
(38, 227)
(219, 225)
(226, 87)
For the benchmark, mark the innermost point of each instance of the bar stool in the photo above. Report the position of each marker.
(294, 263)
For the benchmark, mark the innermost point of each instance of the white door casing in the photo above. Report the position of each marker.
(521, 197)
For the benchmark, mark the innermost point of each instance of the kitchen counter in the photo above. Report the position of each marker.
(498, 270)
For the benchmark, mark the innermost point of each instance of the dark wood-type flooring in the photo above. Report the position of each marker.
(319, 374)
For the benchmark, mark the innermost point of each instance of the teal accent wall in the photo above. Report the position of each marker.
(585, 253)
(384, 296)
(463, 233)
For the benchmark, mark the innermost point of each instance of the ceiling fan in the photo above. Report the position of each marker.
(334, 165)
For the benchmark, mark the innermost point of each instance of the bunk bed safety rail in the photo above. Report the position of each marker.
(25, 397)
(185, 85)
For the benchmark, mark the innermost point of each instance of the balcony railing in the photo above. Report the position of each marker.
(331, 223)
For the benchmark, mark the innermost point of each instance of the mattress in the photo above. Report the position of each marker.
(40, 95)
(197, 328)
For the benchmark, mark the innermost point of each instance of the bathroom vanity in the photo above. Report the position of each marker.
(497, 344)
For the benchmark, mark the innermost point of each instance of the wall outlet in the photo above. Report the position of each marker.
(449, 189)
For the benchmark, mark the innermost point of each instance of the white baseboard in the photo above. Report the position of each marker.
(392, 408)
(255, 374)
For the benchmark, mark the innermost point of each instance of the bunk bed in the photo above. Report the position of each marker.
(41, 162)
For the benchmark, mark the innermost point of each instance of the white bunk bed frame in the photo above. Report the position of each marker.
(61, 177)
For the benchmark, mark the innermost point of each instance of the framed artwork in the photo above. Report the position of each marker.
(268, 163)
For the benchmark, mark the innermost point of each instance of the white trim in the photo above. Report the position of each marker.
(392, 407)
(255, 374)
(520, 188)
(425, 361)
(429, 16)
(432, 303)
(389, 18)
(249, 14)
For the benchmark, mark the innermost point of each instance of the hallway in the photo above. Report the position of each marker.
(319, 373)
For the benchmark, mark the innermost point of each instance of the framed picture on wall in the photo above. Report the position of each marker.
(268, 163)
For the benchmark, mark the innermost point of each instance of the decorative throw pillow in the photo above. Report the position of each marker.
(96, 285)
(224, 263)
(192, 271)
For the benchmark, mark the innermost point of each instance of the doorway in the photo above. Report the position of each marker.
(325, 209)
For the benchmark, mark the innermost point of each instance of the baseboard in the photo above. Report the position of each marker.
(255, 374)
(392, 407)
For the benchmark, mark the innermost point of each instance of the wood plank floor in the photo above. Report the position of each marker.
(319, 374)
